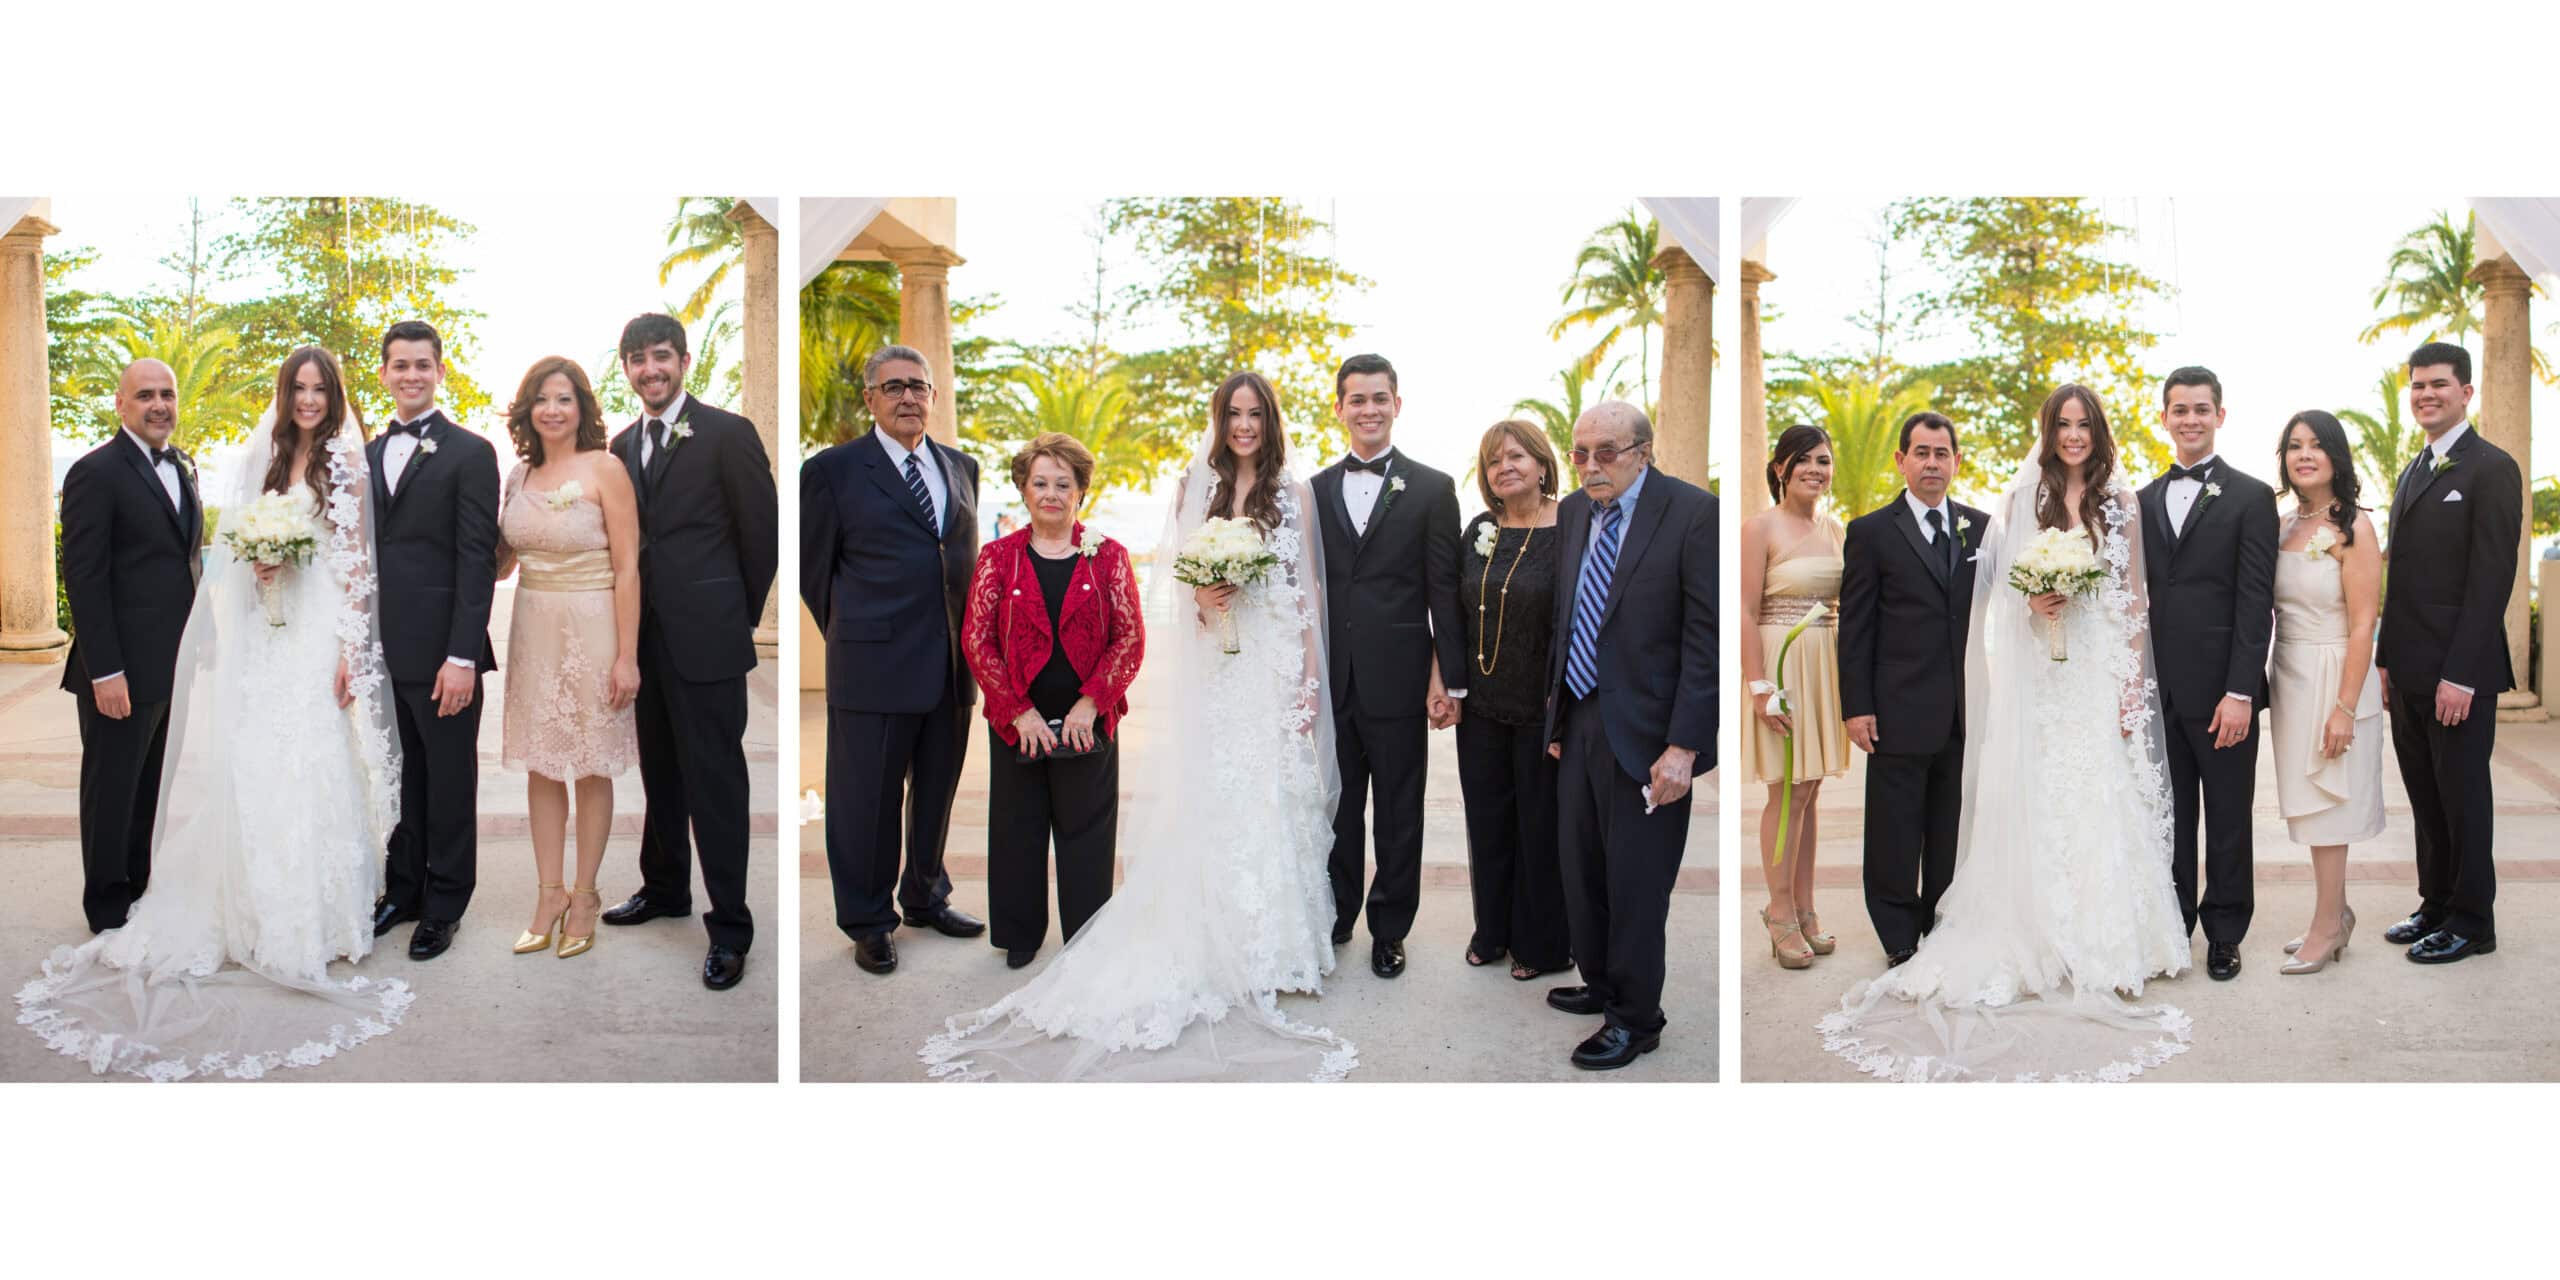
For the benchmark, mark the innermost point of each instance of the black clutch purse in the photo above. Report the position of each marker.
(1058, 730)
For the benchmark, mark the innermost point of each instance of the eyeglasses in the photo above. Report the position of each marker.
(1604, 455)
(901, 388)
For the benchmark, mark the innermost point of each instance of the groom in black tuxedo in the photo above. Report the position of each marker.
(2457, 516)
(707, 553)
(888, 539)
(2209, 562)
(1391, 611)
(1906, 601)
(131, 526)
(435, 508)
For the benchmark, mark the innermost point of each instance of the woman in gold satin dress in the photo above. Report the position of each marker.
(568, 522)
(1791, 563)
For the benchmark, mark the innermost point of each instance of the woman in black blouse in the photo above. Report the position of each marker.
(1506, 593)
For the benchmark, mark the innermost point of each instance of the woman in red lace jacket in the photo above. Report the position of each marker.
(1054, 637)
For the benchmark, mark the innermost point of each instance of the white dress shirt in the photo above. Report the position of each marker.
(2180, 496)
(649, 448)
(926, 463)
(398, 449)
(1360, 491)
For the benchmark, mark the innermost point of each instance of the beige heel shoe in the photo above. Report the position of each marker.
(1777, 948)
(529, 942)
(576, 946)
(1823, 944)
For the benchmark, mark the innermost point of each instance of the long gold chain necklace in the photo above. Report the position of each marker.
(1504, 610)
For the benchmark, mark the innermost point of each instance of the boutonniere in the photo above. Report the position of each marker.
(1396, 484)
(1091, 545)
(1486, 536)
(2321, 540)
(678, 432)
(1964, 525)
(2441, 464)
(564, 497)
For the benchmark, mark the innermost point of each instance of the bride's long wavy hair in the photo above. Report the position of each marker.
(2101, 466)
(335, 418)
(1263, 505)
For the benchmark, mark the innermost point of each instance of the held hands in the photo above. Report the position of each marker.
(1671, 775)
(2338, 734)
(338, 686)
(624, 686)
(2453, 706)
(2049, 605)
(114, 700)
(1862, 731)
(453, 689)
(1032, 736)
(2231, 719)
(1079, 724)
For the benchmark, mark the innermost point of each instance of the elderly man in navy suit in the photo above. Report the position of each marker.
(888, 537)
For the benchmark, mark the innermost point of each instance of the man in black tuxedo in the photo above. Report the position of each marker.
(1906, 602)
(888, 538)
(2457, 516)
(1631, 714)
(1391, 613)
(435, 504)
(707, 553)
(131, 527)
(2209, 563)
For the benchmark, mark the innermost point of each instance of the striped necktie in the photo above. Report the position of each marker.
(924, 497)
(1582, 659)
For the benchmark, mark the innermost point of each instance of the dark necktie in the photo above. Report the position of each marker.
(1590, 599)
(1946, 546)
(924, 496)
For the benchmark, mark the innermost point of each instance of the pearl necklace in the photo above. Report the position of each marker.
(1504, 611)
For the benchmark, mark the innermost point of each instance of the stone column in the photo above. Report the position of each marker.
(1680, 418)
(763, 381)
(1755, 394)
(2550, 674)
(27, 630)
(2505, 419)
(924, 322)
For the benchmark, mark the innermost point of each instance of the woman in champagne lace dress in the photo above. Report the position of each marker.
(573, 667)
(1791, 563)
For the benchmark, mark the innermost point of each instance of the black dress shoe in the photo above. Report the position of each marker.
(386, 915)
(638, 908)
(1895, 959)
(1341, 934)
(1016, 957)
(430, 939)
(2410, 930)
(722, 967)
(1613, 1047)
(947, 921)
(2222, 961)
(1386, 959)
(2444, 946)
(875, 954)
(1582, 1000)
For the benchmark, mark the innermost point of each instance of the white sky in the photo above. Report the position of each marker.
(2269, 292)
(1462, 292)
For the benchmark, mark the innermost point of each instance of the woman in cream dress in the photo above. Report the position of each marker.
(1790, 566)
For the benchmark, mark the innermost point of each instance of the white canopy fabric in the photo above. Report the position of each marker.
(2528, 228)
(13, 208)
(828, 225)
(1759, 214)
(1690, 221)
(768, 208)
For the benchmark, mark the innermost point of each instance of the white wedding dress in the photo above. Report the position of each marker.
(275, 803)
(2062, 906)
(1225, 904)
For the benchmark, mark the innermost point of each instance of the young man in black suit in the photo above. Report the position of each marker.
(2457, 516)
(888, 539)
(1631, 716)
(708, 526)
(1906, 602)
(435, 502)
(1391, 611)
(131, 527)
(2209, 563)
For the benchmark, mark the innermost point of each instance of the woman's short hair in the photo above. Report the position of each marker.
(528, 441)
(1531, 439)
(1066, 450)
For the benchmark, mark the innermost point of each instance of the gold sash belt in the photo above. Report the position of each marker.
(569, 571)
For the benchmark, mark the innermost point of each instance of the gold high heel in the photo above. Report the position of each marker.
(529, 942)
(1823, 944)
(1787, 959)
(2347, 914)
(575, 946)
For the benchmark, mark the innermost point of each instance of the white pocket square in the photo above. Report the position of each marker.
(2455, 496)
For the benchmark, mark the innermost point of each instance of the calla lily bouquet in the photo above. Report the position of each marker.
(1778, 705)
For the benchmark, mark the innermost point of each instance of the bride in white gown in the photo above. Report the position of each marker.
(281, 782)
(1225, 904)
(2062, 906)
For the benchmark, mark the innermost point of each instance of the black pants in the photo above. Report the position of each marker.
(2446, 772)
(693, 771)
(434, 856)
(1076, 801)
(1618, 865)
(2218, 786)
(1396, 753)
(878, 766)
(1913, 803)
(1510, 787)
(119, 798)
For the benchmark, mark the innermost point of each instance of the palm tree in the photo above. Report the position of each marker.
(1558, 417)
(1070, 392)
(1618, 287)
(2384, 444)
(2429, 280)
(846, 313)
(218, 402)
(702, 234)
(1864, 416)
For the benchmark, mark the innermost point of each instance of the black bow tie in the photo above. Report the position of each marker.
(2199, 472)
(169, 456)
(1376, 466)
(418, 429)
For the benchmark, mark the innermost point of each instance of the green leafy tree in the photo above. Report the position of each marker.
(701, 235)
(1581, 391)
(2428, 286)
(219, 396)
(2030, 282)
(1061, 389)
(1863, 412)
(851, 310)
(2384, 444)
(1247, 285)
(336, 271)
(1615, 287)
(79, 326)
(2546, 507)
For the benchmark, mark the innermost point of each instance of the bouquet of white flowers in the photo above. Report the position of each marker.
(276, 529)
(1224, 553)
(2056, 560)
